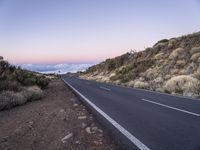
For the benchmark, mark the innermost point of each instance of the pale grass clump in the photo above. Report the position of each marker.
(197, 74)
(195, 56)
(10, 99)
(195, 50)
(159, 56)
(151, 73)
(171, 43)
(131, 83)
(141, 85)
(180, 62)
(176, 53)
(32, 93)
(183, 84)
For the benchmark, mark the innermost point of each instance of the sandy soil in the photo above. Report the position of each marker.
(56, 122)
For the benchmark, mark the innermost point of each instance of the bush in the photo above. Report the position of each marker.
(10, 99)
(195, 50)
(141, 85)
(32, 93)
(176, 53)
(183, 84)
(195, 56)
(42, 82)
(161, 42)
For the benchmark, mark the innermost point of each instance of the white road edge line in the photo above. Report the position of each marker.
(133, 139)
(107, 89)
(174, 108)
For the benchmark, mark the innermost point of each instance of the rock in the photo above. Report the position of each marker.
(83, 125)
(62, 110)
(72, 100)
(30, 122)
(75, 105)
(78, 142)
(64, 140)
(94, 128)
(97, 142)
(88, 130)
(82, 117)
(100, 135)
(101, 131)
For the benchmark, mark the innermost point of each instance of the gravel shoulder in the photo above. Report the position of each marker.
(57, 121)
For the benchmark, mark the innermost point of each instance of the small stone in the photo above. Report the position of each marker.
(101, 131)
(83, 125)
(62, 110)
(72, 99)
(96, 142)
(78, 142)
(88, 130)
(82, 117)
(67, 137)
(94, 128)
(75, 105)
(30, 122)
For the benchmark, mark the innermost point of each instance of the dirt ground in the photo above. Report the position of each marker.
(56, 122)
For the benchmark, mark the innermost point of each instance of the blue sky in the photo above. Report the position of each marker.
(77, 31)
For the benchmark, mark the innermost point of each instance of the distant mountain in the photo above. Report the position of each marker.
(171, 65)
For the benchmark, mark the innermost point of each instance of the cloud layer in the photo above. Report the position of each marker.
(58, 68)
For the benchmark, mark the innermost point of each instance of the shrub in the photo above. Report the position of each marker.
(176, 53)
(42, 82)
(195, 56)
(183, 84)
(131, 83)
(195, 50)
(32, 93)
(161, 42)
(151, 73)
(10, 99)
(159, 56)
(197, 74)
(141, 84)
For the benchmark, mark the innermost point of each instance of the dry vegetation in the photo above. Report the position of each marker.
(19, 86)
(171, 66)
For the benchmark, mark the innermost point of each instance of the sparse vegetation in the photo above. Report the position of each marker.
(169, 66)
(19, 86)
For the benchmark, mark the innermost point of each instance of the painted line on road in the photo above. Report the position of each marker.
(107, 89)
(127, 134)
(174, 108)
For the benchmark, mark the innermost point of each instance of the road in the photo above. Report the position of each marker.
(148, 119)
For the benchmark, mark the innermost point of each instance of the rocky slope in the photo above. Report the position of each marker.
(171, 65)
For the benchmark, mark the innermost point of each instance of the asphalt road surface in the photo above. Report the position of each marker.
(149, 120)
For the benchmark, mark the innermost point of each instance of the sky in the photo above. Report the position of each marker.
(89, 31)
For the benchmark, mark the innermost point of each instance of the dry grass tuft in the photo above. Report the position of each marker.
(176, 53)
(10, 99)
(183, 84)
(195, 56)
(141, 84)
(32, 93)
(195, 50)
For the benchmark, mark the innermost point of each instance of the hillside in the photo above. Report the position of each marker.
(171, 65)
(18, 86)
